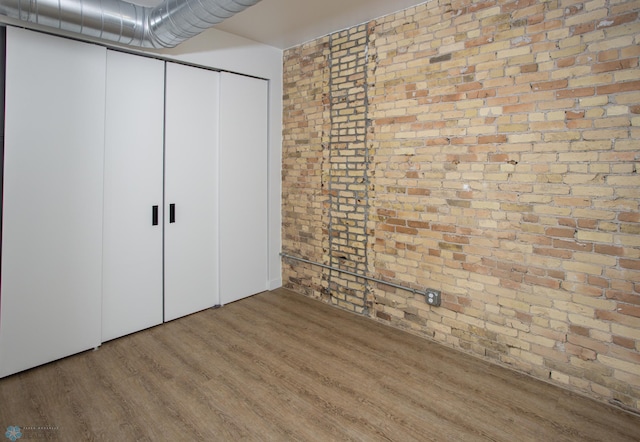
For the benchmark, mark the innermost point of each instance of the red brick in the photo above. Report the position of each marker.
(519, 108)
(456, 239)
(484, 93)
(475, 268)
(406, 230)
(386, 228)
(579, 124)
(582, 289)
(572, 245)
(541, 281)
(611, 54)
(579, 330)
(535, 19)
(609, 250)
(498, 157)
(451, 306)
(629, 310)
(459, 257)
(487, 139)
(624, 342)
(630, 51)
(630, 264)
(453, 97)
(618, 87)
(615, 65)
(568, 222)
(578, 92)
(607, 315)
(566, 62)
(583, 28)
(465, 140)
(557, 274)
(632, 217)
(587, 223)
(386, 212)
(478, 41)
(443, 228)
(560, 232)
(626, 297)
(468, 86)
(616, 21)
(598, 281)
(550, 85)
(571, 115)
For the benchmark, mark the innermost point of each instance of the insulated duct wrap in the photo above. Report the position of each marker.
(163, 26)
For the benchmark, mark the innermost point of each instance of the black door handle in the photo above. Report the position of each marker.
(172, 213)
(154, 215)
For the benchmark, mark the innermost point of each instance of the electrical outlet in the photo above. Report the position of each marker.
(433, 297)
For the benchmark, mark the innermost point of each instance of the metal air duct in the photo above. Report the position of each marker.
(163, 26)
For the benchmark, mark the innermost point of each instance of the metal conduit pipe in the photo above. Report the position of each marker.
(163, 26)
(426, 294)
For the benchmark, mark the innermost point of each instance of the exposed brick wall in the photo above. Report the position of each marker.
(305, 198)
(501, 151)
(326, 165)
(348, 167)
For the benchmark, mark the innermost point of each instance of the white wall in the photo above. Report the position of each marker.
(221, 50)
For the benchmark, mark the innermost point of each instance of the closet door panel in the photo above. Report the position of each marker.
(191, 217)
(243, 187)
(132, 244)
(50, 293)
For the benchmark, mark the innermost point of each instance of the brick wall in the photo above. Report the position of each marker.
(348, 166)
(489, 150)
(306, 126)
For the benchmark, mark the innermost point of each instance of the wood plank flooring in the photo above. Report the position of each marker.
(279, 367)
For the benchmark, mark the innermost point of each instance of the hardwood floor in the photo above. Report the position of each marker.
(278, 367)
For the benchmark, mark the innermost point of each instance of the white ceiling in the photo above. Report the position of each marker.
(288, 23)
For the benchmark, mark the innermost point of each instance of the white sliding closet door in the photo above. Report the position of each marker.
(50, 294)
(132, 245)
(243, 187)
(191, 164)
